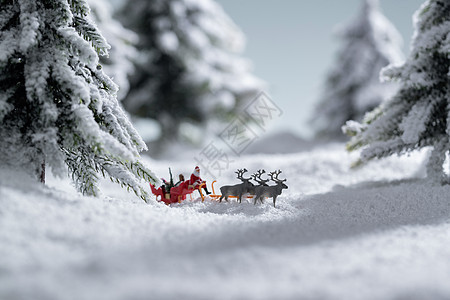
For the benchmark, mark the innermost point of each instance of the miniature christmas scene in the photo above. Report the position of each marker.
(170, 193)
(217, 149)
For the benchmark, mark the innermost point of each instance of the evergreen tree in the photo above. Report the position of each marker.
(56, 104)
(353, 87)
(419, 114)
(190, 70)
(119, 63)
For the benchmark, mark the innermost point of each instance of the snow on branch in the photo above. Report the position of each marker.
(29, 20)
(79, 7)
(6, 14)
(89, 31)
(37, 72)
(5, 107)
(413, 125)
(69, 113)
(9, 44)
(80, 47)
(74, 86)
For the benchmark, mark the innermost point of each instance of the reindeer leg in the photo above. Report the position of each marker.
(260, 198)
(274, 200)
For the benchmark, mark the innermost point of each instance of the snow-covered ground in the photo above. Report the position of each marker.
(379, 232)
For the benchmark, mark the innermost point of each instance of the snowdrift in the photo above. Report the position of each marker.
(380, 232)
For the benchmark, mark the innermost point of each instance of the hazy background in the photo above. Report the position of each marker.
(292, 46)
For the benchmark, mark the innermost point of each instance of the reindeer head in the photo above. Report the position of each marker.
(274, 177)
(240, 174)
(257, 177)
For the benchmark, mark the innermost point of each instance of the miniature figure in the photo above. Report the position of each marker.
(271, 191)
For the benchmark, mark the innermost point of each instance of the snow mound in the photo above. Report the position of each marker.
(335, 234)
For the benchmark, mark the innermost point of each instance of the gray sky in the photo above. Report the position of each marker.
(291, 45)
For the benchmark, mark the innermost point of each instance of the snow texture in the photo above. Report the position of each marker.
(336, 234)
(418, 115)
(353, 87)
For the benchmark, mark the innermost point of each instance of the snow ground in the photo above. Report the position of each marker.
(379, 232)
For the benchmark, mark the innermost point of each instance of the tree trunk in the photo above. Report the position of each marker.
(435, 164)
(42, 172)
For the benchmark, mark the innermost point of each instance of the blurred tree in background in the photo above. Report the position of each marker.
(119, 62)
(189, 69)
(353, 87)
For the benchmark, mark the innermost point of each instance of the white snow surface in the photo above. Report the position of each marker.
(379, 232)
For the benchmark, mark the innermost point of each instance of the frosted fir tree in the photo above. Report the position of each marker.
(190, 69)
(353, 87)
(119, 63)
(57, 107)
(419, 114)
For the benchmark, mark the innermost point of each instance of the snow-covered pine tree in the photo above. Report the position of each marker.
(119, 63)
(56, 104)
(190, 69)
(419, 114)
(353, 87)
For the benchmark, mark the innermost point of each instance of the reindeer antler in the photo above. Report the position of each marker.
(271, 174)
(278, 172)
(258, 174)
(274, 176)
(240, 173)
(257, 177)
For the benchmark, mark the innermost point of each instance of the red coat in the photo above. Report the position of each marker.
(195, 181)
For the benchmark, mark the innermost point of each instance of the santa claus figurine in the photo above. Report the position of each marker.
(195, 180)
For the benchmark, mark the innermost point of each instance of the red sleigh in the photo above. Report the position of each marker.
(177, 193)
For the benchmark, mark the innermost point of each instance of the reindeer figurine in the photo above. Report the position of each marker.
(257, 178)
(237, 190)
(249, 187)
(270, 191)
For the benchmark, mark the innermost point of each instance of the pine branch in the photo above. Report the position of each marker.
(79, 7)
(83, 172)
(89, 31)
